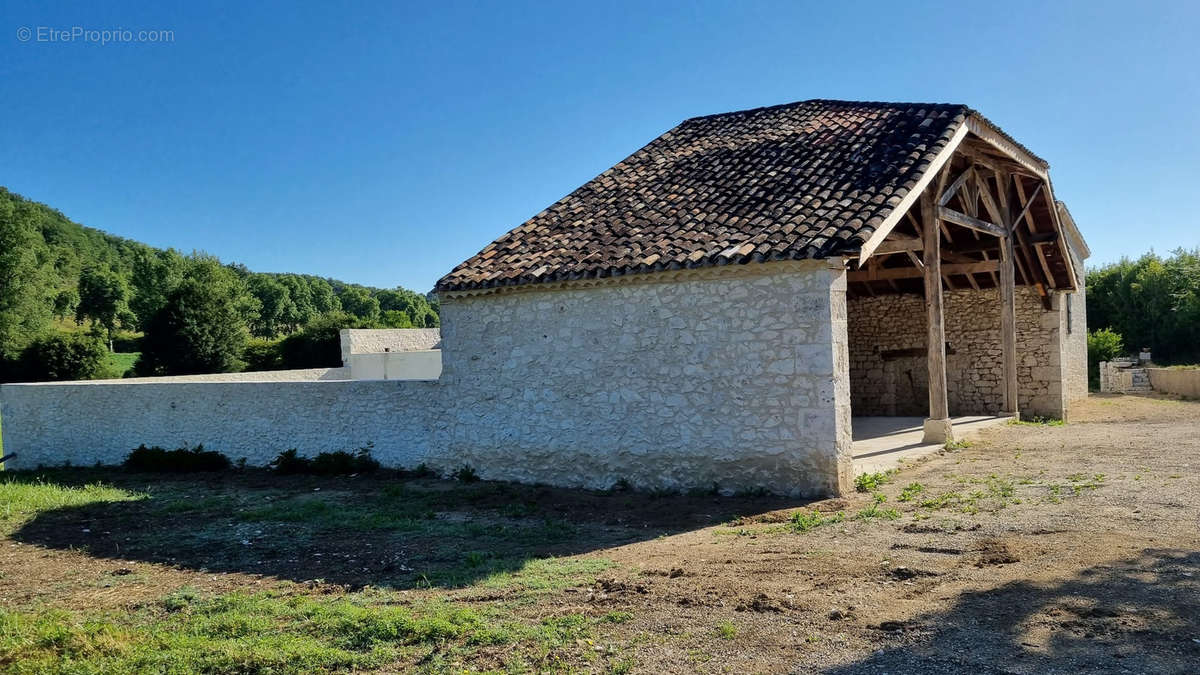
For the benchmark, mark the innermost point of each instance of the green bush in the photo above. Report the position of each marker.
(318, 344)
(64, 357)
(262, 354)
(183, 460)
(338, 463)
(1104, 344)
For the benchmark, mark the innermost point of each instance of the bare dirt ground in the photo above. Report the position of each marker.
(1036, 549)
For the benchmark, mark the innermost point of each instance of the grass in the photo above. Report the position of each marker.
(803, 521)
(21, 500)
(273, 632)
(1038, 421)
(727, 630)
(398, 625)
(120, 363)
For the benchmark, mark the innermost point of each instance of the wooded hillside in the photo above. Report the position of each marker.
(57, 276)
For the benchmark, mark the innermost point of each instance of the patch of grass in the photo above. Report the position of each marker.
(275, 632)
(727, 630)
(870, 482)
(617, 617)
(803, 521)
(21, 500)
(120, 364)
(549, 574)
(465, 474)
(1038, 421)
(262, 633)
(960, 444)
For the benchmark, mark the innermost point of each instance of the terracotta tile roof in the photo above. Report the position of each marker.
(801, 180)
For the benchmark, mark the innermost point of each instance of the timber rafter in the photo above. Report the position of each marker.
(987, 191)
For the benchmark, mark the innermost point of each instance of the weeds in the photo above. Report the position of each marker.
(870, 482)
(911, 490)
(803, 521)
(874, 511)
(465, 474)
(726, 630)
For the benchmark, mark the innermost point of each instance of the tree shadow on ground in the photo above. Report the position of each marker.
(385, 529)
(1137, 615)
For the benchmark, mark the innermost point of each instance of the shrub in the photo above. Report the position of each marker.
(465, 474)
(1104, 344)
(183, 460)
(64, 357)
(317, 345)
(335, 463)
(262, 354)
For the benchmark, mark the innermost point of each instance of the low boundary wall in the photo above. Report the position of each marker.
(47, 423)
(1184, 382)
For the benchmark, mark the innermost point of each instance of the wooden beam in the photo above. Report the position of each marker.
(918, 272)
(900, 245)
(937, 427)
(988, 134)
(1028, 203)
(985, 194)
(912, 196)
(1008, 311)
(1045, 265)
(950, 215)
(950, 191)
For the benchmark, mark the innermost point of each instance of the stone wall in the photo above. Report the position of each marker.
(380, 340)
(735, 376)
(1075, 346)
(1180, 381)
(724, 376)
(896, 383)
(49, 424)
(298, 375)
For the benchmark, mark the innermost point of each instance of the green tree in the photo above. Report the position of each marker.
(277, 312)
(154, 274)
(24, 309)
(1152, 302)
(358, 301)
(65, 303)
(202, 328)
(102, 297)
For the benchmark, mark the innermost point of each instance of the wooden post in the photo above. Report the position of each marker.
(1008, 315)
(937, 427)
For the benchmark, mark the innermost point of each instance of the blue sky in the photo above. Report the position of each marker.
(384, 143)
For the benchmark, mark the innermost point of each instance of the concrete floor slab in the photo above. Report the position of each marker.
(880, 442)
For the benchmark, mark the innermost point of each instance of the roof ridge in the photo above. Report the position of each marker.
(780, 106)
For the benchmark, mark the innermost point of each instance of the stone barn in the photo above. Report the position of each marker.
(776, 298)
(748, 295)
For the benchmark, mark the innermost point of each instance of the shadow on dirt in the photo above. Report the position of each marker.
(1139, 615)
(379, 530)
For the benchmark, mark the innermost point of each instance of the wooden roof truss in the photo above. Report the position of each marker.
(983, 193)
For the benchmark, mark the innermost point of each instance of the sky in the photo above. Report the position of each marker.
(383, 143)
